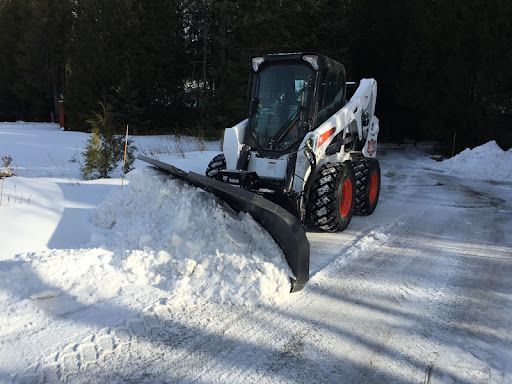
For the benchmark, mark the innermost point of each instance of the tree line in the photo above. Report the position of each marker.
(162, 66)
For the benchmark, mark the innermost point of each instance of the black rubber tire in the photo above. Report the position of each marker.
(217, 164)
(326, 195)
(363, 170)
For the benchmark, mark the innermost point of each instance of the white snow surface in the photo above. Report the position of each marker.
(485, 162)
(43, 150)
(147, 284)
(169, 233)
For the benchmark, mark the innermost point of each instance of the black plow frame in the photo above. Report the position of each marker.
(286, 230)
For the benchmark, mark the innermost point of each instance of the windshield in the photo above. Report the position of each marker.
(281, 94)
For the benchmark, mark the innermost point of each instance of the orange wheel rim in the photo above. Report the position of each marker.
(373, 188)
(346, 198)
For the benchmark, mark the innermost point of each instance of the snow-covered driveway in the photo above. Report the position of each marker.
(419, 292)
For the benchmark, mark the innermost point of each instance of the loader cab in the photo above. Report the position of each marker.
(290, 95)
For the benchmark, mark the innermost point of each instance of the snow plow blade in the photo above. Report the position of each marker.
(285, 228)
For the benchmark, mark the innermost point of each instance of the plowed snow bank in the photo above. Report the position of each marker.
(168, 233)
(486, 162)
(156, 232)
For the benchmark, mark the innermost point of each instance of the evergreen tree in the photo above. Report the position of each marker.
(127, 53)
(13, 17)
(41, 58)
(104, 150)
(182, 66)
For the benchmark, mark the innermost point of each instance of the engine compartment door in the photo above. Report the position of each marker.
(268, 168)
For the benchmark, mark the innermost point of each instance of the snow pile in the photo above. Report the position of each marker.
(486, 162)
(166, 233)
(155, 234)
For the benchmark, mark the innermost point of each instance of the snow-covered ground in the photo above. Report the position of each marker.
(485, 162)
(158, 282)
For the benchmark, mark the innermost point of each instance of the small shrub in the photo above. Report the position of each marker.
(5, 170)
(104, 150)
(7, 160)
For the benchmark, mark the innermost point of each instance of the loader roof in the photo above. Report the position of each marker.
(324, 62)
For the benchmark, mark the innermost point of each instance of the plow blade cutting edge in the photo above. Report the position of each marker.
(285, 228)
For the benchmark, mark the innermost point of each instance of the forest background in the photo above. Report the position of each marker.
(444, 67)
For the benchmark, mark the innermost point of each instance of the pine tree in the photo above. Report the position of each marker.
(13, 17)
(127, 53)
(38, 56)
(104, 150)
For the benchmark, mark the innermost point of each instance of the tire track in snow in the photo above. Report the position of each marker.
(157, 325)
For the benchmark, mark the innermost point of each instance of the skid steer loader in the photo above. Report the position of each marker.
(305, 156)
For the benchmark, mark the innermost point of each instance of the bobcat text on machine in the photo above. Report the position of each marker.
(304, 156)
